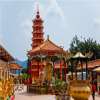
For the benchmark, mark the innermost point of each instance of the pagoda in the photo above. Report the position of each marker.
(43, 49)
(37, 31)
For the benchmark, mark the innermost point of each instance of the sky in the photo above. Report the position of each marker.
(63, 19)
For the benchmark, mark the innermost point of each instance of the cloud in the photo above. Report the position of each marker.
(1, 34)
(97, 24)
(26, 26)
(26, 23)
(97, 21)
(54, 7)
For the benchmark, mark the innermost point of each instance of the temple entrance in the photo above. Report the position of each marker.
(48, 72)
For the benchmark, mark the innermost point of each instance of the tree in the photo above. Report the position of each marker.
(24, 70)
(85, 46)
(74, 44)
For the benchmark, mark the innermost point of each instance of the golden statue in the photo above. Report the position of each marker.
(6, 88)
(48, 72)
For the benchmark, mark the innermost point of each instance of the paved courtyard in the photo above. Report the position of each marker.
(23, 95)
(41, 97)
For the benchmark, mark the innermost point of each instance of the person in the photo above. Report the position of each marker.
(93, 91)
(12, 97)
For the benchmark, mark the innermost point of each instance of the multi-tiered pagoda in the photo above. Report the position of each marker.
(42, 49)
(37, 31)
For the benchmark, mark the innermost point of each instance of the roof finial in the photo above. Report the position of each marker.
(37, 8)
(47, 37)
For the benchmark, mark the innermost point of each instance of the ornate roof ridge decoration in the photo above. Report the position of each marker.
(78, 55)
(89, 54)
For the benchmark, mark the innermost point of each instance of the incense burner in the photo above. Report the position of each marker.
(80, 89)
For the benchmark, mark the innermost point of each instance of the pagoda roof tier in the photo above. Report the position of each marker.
(35, 32)
(39, 25)
(38, 20)
(48, 48)
(37, 38)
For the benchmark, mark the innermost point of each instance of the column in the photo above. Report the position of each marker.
(54, 71)
(82, 69)
(65, 70)
(60, 70)
(86, 70)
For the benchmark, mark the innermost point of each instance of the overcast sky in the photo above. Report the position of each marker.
(63, 19)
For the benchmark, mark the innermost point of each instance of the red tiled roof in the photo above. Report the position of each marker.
(94, 63)
(15, 66)
(5, 55)
(47, 46)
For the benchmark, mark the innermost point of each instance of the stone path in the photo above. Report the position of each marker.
(34, 97)
(23, 95)
(42, 97)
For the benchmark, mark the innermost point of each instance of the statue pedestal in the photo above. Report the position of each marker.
(80, 89)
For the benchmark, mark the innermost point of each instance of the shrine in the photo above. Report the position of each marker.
(42, 58)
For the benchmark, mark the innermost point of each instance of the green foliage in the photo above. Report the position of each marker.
(74, 45)
(59, 85)
(85, 46)
(25, 76)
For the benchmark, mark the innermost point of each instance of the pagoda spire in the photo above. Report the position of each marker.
(37, 32)
(38, 15)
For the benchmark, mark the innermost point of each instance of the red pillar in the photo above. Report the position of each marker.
(30, 69)
(61, 70)
(65, 70)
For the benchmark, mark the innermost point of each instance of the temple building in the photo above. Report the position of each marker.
(8, 66)
(40, 58)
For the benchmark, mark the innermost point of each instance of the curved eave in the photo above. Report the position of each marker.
(5, 55)
(15, 66)
(47, 52)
